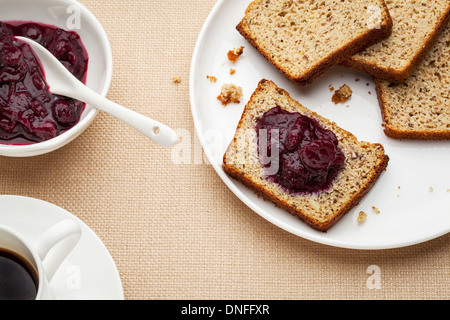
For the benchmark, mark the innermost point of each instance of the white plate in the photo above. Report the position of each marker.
(413, 195)
(68, 15)
(88, 273)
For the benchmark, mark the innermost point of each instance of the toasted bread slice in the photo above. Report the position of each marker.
(419, 107)
(417, 25)
(303, 39)
(364, 162)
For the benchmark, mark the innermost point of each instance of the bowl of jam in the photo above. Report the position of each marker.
(33, 120)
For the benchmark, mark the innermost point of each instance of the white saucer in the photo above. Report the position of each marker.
(88, 273)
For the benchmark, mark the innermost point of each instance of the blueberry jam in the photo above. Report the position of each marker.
(29, 112)
(309, 157)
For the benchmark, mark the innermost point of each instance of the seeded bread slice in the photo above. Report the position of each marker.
(303, 39)
(417, 25)
(364, 163)
(419, 107)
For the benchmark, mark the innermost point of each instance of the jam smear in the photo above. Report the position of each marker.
(29, 112)
(309, 157)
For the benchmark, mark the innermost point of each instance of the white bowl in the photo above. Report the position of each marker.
(60, 13)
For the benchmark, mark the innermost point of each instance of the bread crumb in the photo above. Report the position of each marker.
(211, 78)
(230, 93)
(375, 209)
(232, 71)
(362, 216)
(342, 94)
(176, 79)
(431, 189)
(233, 55)
(357, 79)
(331, 87)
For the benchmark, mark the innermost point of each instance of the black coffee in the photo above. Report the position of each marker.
(18, 278)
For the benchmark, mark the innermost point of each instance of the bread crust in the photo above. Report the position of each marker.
(371, 37)
(394, 75)
(270, 195)
(323, 227)
(402, 134)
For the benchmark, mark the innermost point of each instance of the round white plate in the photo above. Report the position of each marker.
(88, 273)
(412, 195)
(68, 15)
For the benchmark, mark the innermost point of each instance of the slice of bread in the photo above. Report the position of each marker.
(321, 210)
(419, 107)
(303, 39)
(417, 25)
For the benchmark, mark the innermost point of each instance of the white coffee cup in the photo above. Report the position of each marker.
(46, 253)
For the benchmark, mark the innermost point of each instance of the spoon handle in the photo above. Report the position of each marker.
(65, 84)
(158, 132)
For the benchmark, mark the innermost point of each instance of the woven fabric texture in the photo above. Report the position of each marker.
(175, 231)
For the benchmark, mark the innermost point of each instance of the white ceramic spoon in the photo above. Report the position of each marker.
(62, 82)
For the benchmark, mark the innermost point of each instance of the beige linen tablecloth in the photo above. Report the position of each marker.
(175, 231)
